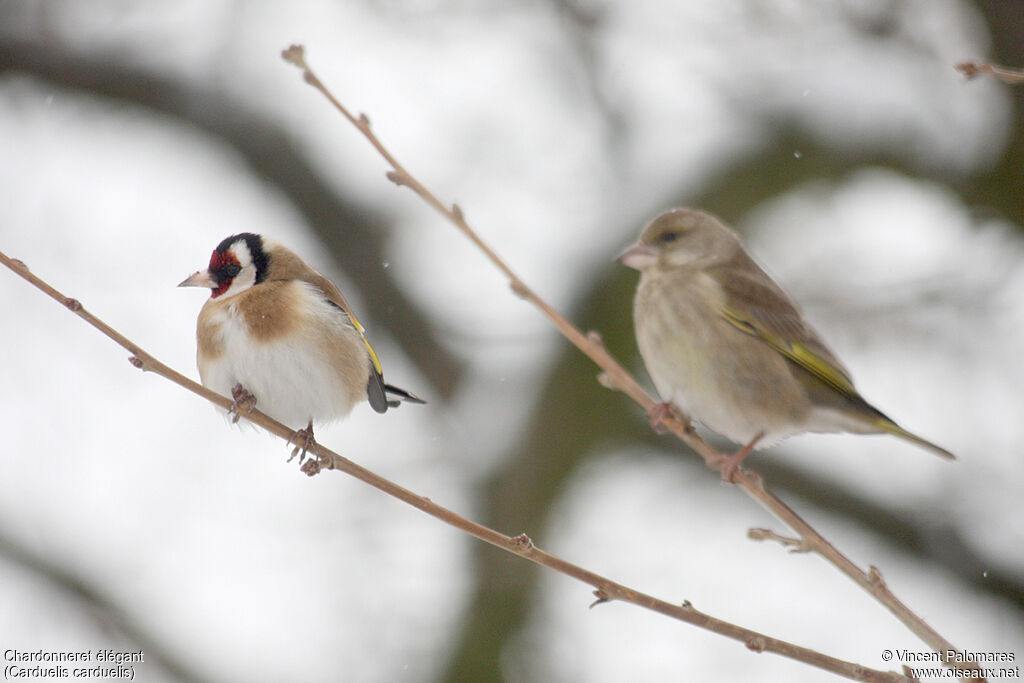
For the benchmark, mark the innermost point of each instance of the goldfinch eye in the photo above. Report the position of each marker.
(229, 272)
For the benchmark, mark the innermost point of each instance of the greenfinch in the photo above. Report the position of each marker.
(726, 346)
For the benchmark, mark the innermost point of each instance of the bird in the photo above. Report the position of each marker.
(727, 347)
(278, 334)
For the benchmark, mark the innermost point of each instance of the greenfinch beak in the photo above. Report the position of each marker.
(639, 256)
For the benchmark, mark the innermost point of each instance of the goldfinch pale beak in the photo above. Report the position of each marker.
(639, 256)
(200, 278)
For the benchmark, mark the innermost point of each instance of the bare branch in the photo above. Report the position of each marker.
(614, 375)
(795, 545)
(521, 545)
(343, 223)
(1004, 74)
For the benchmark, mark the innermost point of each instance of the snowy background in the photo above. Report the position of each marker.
(880, 187)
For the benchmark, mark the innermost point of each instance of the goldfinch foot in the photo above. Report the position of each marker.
(304, 443)
(243, 400)
(728, 464)
(313, 465)
(659, 411)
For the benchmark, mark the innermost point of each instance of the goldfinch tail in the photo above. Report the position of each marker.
(382, 395)
(397, 395)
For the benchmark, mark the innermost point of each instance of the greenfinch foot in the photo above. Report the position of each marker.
(729, 464)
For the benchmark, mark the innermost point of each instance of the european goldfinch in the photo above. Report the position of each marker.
(277, 334)
(726, 345)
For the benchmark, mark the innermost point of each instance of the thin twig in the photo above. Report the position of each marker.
(604, 589)
(1004, 74)
(616, 376)
(795, 545)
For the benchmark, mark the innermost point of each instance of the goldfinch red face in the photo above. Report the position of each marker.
(238, 263)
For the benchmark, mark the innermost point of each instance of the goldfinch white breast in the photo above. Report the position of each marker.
(278, 334)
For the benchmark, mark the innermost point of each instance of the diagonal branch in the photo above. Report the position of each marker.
(617, 377)
(341, 222)
(605, 589)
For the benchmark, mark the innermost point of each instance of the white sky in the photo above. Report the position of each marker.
(249, 571)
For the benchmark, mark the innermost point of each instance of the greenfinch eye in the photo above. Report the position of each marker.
(668, 237)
